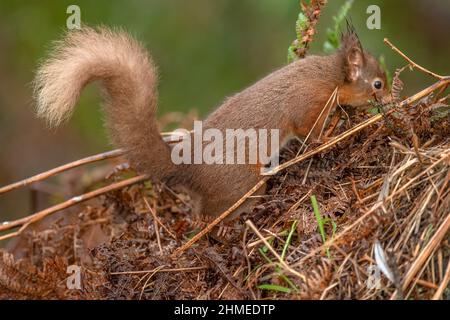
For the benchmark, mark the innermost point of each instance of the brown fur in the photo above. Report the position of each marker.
(130, 81)
(290, 99)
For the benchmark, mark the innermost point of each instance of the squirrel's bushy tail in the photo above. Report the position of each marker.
(129, 78)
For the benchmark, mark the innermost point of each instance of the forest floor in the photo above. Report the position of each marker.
(380, 229)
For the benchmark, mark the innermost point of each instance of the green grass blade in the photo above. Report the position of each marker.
(274, 287)
(288, 240)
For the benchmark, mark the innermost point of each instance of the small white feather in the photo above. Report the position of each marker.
(380, 258)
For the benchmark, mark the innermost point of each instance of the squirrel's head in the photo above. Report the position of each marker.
(365, 80)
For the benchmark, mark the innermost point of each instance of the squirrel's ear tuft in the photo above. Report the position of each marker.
(353, 53)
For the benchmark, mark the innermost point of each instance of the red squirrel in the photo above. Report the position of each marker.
(289, 99)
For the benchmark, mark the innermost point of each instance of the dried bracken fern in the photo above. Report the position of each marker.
(20, 279)
(397, 86)
(381, 167)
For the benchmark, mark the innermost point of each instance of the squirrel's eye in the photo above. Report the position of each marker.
(377, 84)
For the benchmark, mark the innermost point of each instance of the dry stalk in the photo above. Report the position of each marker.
(66, 204)
(68, 166)
(425, 254)
(167, 136)
(443, 284)
(155, 217)
(155, 225)
(189, 269)
(412, 63)
(267, 244)
(220, 218)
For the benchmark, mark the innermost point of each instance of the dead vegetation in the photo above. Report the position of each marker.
(386, 184)
(365, 215)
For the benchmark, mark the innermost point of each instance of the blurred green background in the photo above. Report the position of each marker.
(206, 50)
